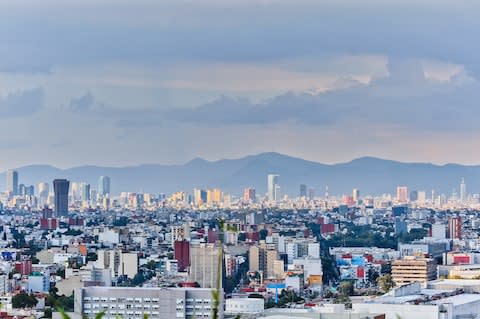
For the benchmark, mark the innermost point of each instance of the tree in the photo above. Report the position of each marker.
(24, 300)
(385, 282)
(263, 234)
(346, 288)
(372, 275)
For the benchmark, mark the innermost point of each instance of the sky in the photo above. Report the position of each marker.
(119, 83)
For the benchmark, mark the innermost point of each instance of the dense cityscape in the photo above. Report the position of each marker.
(71, 247)
(239, 159)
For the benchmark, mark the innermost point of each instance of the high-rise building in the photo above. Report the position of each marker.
(200, 196)
(21, 190)
(30, 190)
(12, 182)
(413, 196)
(43, 190)
(355, 194)
(455, 227)
(182, 254)
(303, 190)
(311, 193)
(85, 192)
(422, 197)
(402, 194)
(60, 188)
(262, 258)
(463, 191)
(206, 265)
(104, 186)
(273, 189)
(249, 194)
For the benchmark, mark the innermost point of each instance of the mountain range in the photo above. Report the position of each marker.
(371, 175)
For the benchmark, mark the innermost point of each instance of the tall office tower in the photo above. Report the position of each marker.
(463, 191)
(216, 195)
(455, 227)
(21, 190)
(206, 265)
(414, 196)
(85, 191)
(273, 188)
(43, 190)
(60, 188)
(104, 186)
(200, 196)
(12, 182)
(249, 194)
(356, 194)
(311, 193)
(402, 194)
(303, 190)
(30, 190)
(421, 197)
(75, 191)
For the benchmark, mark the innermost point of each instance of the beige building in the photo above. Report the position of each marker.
(262, 258)
(205, 265)
(412, 268)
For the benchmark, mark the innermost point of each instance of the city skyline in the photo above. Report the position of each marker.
(211, 175)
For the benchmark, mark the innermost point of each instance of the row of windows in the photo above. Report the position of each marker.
(121, 306)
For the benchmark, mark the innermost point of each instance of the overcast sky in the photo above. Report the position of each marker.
(129, 82)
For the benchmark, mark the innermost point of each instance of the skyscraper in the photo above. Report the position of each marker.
(249, 194)
(402, 194)
(104, 186)
(463, 191)
(60, 188)
(12, 182)
(303, 190)
(355, 194)
(43, 190)
(85, 192)
(272, 187)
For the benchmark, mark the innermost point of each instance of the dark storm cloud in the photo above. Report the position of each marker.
(21, 103)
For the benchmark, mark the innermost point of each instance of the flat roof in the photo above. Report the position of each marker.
(456, 282)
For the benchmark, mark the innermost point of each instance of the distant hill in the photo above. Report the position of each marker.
(371, 175)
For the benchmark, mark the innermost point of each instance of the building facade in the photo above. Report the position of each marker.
(156, 303)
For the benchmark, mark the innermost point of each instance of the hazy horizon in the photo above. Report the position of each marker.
(237, 158)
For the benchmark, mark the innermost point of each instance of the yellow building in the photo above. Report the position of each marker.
(413, 268)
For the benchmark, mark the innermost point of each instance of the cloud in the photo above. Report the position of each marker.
(89, 32)
(21, 103)
(83, 103)
(405, 99)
